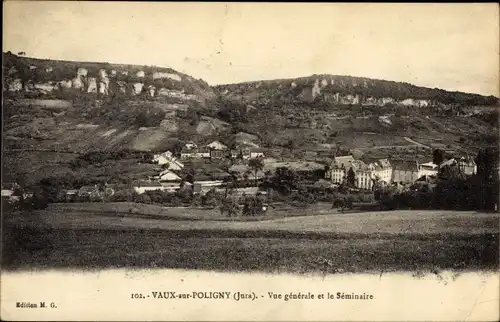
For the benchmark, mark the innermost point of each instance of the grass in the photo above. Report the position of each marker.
(152, 211)
(391, 241)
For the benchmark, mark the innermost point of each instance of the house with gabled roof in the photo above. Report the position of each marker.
(216, 145)
(467, 166)
(163, 158)
(169, 176)
(427, 169)
(382, 170)
(338, 168)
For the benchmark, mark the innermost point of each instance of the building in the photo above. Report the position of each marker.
(257, 153)
(338, 168)
(191, 145)
(404, 171)
(217, 154)
(204, 184)
(245, 153)
(71, 194)
(169, 176)
(216, 145)
(195, 153)
(382, 169)
(427, 169)
(7, 193)
(363, 174)
(168, 159)
(89, 191)
(142, 187)
(467, 166)
(163, 158)
(464, 165)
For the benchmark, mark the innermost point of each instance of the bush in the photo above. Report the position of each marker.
(143, 198)
(252, 206)
(124, 196)
(211, 198)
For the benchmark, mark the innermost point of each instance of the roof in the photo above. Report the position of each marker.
(426, 178)
(404, 165)
(384, 163)
(217, 145)
(294, 166)
(166, 154)
(147, 184)
(87, 188)
(429, 165)
(169, 176)
(195, 150)
(343, 161)
(166, 171)
(201, 179)
(467, 160)
(447, 163)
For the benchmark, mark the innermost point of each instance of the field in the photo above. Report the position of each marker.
(96, 238)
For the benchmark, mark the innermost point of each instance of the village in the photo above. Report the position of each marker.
(243, 171)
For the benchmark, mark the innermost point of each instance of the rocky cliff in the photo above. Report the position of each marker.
(347, 90)
(61, 78)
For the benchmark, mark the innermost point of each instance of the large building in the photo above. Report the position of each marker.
(404, 171)
(364, 174)
(382, 169)
(466, 166)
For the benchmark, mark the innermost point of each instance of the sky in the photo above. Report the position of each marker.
(449, 46)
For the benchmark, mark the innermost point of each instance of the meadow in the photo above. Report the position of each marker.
(417, 241)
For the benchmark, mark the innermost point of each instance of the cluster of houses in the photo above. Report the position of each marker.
(396, 171)
(169, 180)
(341, 169)
(217, 150)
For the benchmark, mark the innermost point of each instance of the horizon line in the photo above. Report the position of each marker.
(247, 81)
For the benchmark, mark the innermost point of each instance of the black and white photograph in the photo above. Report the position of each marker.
(322, 139)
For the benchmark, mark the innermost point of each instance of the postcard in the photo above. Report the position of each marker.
(250, 161)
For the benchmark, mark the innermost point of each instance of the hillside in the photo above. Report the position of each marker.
(379, 118)
(65, 78)
(352, 91)
(56, 111)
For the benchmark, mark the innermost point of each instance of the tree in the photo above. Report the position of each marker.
(437, 156)
(256, 165)
(284, 180)
(252, 206)
(193, 115)
(230, 206)
(150, 117)
(231, 182)
(351, 178)
(487, 162)
(190, 175)
(339, 203)
(291, 145)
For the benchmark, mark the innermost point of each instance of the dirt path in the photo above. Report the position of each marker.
(416, 143)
